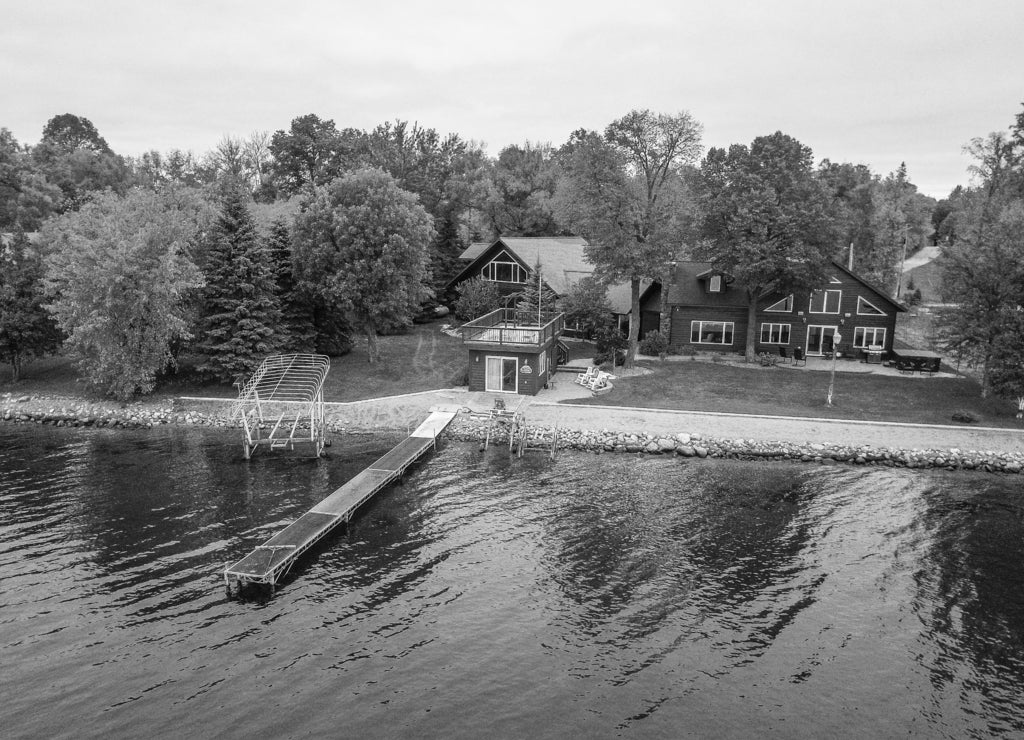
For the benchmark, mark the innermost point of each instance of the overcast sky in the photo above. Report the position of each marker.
(871, 82)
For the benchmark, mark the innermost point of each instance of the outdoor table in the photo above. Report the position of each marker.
(921, 359)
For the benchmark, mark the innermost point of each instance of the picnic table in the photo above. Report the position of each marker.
(921, 360)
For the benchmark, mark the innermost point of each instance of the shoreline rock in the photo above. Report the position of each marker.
(66, 412)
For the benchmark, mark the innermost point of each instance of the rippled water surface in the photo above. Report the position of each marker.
(595, 596)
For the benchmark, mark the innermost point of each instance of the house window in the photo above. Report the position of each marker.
(868, 336)
(503, 269)
(825, 301)
(783, 306)
(867, 308)
(715, 284)
(775, 333)
(711, 332)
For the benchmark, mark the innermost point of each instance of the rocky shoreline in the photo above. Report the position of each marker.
(63, 412)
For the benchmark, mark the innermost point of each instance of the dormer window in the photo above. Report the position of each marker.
(715, 284)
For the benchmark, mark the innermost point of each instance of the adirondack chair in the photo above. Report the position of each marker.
(584, 379)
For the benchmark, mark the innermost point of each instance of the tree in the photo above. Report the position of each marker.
(117, 275)
(476, 298)
(311, 153)
(26, 328)
(536, 298)
(624, 193)
(520, 202)
(241, 312)
(363, 244)
(296, 333)
(983, 268)
(26, 196)
(75, 158)
(586, 306)
(765, 219)
(68, 132)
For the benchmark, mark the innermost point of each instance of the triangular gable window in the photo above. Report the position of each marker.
(833, 279)
(867, 308)
(504, 269)
(783, 306)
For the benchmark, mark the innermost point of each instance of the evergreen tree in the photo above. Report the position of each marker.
(241, 312)
(26, 328)
(296, 332)
(536, 299)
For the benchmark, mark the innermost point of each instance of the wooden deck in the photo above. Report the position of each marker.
(272, 560)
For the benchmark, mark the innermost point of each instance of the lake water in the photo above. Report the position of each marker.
(594, 596)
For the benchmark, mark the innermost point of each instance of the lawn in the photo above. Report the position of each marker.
(422, 359)
(782, 391)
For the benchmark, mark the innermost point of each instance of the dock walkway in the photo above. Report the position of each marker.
(272, 560)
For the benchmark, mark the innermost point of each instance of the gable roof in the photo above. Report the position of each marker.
(473, 251)
(687, 289)
(561, 258)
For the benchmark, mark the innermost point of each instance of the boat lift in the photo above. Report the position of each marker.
(501, 420)
(286, 394)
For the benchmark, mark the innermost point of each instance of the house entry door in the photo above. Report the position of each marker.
(820, 339)
(501, 375)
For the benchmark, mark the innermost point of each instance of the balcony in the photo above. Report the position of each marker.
(513, 329)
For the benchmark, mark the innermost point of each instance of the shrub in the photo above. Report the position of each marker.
(476, 298)
(654, 343)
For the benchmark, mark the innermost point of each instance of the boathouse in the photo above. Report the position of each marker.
(512, 351)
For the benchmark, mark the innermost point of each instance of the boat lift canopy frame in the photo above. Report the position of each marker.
(290, 387)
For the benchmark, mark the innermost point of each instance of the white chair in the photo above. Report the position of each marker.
(588, 376)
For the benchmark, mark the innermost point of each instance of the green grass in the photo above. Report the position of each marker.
(780, 391)
(423, 359)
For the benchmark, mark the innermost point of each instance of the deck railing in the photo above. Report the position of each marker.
(514, 327)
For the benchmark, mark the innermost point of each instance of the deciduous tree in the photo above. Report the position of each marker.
(26, 328)
(765, 219)
(363, 244)
(117, 275)
(983, 268)
(624, 192)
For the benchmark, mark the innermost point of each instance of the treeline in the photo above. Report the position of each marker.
(298, 239)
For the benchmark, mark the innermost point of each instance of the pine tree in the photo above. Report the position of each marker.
(536, 298)
(241, 312)
(296, 332)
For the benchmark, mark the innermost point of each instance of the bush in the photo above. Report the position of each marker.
(476, 298)
(654, 343)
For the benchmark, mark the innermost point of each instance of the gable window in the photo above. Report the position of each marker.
(783, 306)
(868, 336)
(503, 269)
(867, 308)
(711, 332)
(775, 333)
(825, 301)
(834, 279)
(715, 284)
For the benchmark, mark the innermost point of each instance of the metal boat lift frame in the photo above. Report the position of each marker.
(292, 385)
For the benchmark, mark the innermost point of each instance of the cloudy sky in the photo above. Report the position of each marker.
(872, 82)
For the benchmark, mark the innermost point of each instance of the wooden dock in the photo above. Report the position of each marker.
(272, 560)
